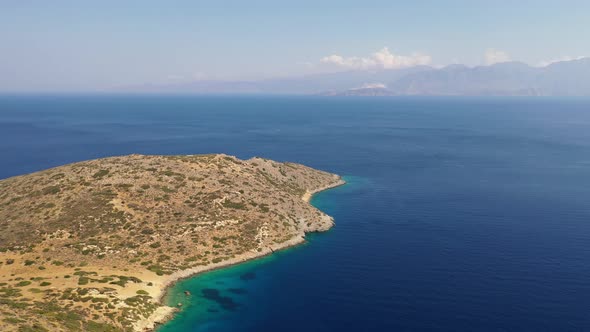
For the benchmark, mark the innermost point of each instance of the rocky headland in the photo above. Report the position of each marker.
(92, 246)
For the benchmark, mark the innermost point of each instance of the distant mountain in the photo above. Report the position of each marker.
(500, 79)
(567, 78)
(315, 84)
(312, 84)
(511, 78)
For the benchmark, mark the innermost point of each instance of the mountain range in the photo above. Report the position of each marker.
(566, 78)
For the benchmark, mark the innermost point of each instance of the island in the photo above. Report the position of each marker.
(92, 246)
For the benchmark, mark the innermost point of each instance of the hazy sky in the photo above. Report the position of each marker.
(88, 45)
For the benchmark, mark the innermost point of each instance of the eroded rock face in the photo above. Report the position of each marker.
(118, 229)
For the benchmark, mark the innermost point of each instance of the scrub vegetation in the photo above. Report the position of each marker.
(86, 246)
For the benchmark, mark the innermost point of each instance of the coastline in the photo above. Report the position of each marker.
(165, 313)
(309, 194)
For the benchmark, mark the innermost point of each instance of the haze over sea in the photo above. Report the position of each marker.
(461, 214)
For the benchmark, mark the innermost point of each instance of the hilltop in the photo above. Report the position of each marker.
(91, 245)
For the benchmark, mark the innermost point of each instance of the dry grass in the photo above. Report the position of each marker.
(78, 242)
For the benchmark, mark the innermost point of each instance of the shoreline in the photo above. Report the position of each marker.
(309, 194)
(166, 313)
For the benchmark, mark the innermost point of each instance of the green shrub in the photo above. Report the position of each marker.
(100, 174)
(50, 190)
(234, 205)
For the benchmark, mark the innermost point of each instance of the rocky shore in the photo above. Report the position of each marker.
(166, 313)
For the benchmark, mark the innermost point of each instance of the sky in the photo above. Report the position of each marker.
(77, 45)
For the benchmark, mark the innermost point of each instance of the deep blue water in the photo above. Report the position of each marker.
(461, 214)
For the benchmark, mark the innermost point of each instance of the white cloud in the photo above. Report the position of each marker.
(493, 56)
(563, 58)
(382, 59)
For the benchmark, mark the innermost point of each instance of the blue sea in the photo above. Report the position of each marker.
(460, 214)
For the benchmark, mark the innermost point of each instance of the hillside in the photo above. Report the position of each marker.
(90, 246)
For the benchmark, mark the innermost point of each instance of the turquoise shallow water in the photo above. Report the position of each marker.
(237, 294)
(463, 214)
